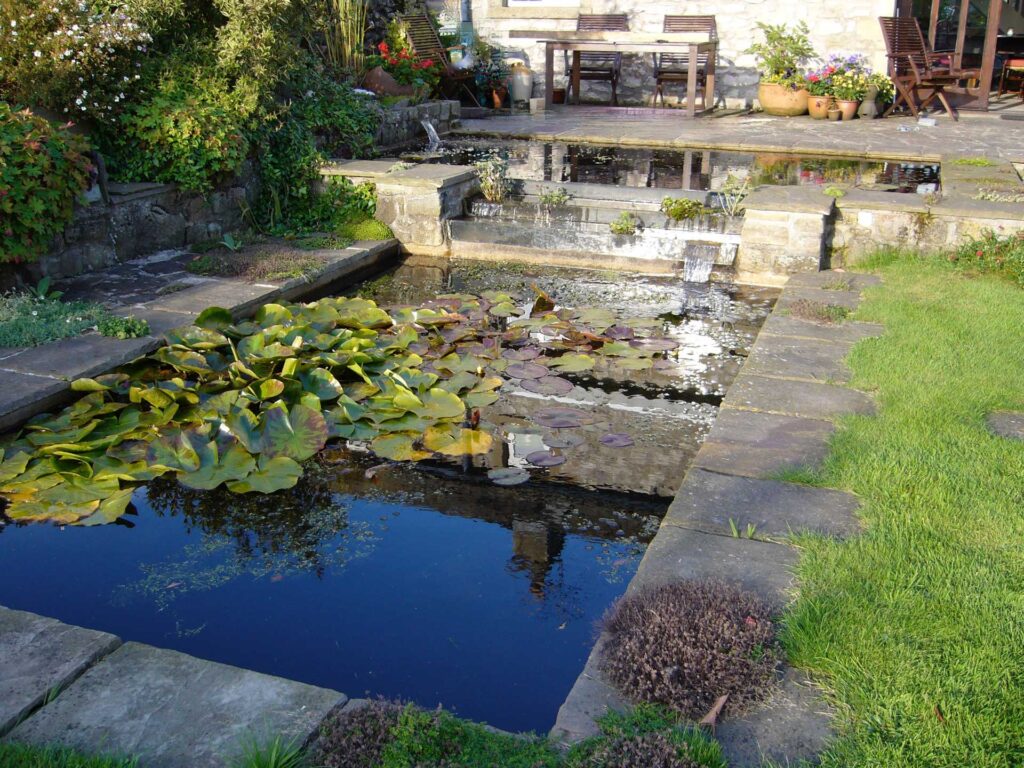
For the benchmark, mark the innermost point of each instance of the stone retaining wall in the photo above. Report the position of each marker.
(404, 125)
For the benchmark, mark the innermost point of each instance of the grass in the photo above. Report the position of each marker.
(27, 321)
(24, 756)
(977, 162)
(916, 627)
(256, 263)
(818, 312)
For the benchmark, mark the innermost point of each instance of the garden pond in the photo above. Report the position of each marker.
(472, 579)
(693, 169)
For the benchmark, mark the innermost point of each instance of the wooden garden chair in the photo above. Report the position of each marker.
(598, 66)
(913, 66)
(673, 67)
(426, 44)
(1012, 78)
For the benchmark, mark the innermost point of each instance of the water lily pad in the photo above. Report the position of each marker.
(508, 475)
(658, 345)
(522, 354)
(562, 418)
(620, 333)
(634, 363)
(545, 459)
(548, 385)
(456, 441)
(271, 474)
(298, 432)
(398, 447)
(572, 363)
(526, 371)
(616, 440)
(563, 440)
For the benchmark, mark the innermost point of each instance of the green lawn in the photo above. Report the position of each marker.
(22, 756)
(916, 627)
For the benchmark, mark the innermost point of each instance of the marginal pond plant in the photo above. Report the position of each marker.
(684, 645)
(242, 404)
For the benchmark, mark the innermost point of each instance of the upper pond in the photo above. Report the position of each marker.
(694, 169)
(427, 582)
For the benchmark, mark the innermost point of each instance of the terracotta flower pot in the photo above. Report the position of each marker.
(498, 96)
(848, 108)
(783, 101)
(817, 106)
(834, 114)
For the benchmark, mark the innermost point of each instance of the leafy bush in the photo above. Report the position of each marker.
(554, 198)
(783, 52)
(123, 327)
(69, 56)
(494, 181)
(357, 738)
(1002, 255)
(685, 644)
(625, 224)
(43, 169)
(682, 208)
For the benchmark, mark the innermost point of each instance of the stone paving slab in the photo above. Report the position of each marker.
(846, 332)
(808, 359)
(794, 725)
(848, 299)
(1009, 424)
(24, 395)
(175, 711)
(857, 281)
(39, 656)
(707, 501)
(786, 397)
(676, 554)
(241, 298)
(590, 698)
(754, 444)
(86, 355)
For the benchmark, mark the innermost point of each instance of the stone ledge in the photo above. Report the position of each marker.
(432, 176)
(790, 199)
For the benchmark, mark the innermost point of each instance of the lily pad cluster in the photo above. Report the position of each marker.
(242, 404)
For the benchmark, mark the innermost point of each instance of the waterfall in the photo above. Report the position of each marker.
(698, 262)
(433, 140)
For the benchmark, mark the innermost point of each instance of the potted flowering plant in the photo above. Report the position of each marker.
(492, 78)
(848, 89)
(780, 57)
(819, 88)
(422, 75)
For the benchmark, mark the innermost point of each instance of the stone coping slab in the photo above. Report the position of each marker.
(175, 711)
(709, 502)
(847, 332)
(792, 199)
(591, 697)
(796, 398)
(848, 299)
(24, 395)
(754, 444)
(40, 656)
(431, 176)
(857, 281)
(807, 359)
(370, 169)
(80, 356)
(1008, 424)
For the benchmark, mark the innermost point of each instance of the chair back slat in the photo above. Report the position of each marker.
(704, 24)
(904, 43)
(602, 22)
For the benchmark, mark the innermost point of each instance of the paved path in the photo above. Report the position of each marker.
(78, 688)
(160, 290)
(973, 135)
(779, 414)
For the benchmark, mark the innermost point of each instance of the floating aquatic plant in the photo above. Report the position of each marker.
(241, 405)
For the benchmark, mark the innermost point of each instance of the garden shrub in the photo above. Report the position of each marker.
(991, 252)
(683, 645)
(43, 169)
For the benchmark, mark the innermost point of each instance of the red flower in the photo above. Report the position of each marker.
(426, 64)
(383, 48)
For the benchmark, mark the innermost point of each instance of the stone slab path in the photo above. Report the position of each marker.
(1008, 424)
(78, 688)
(160, 290)
(974, 134)
(732, 517)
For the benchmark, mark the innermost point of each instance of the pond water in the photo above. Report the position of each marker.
(426, 582)
(694, 169)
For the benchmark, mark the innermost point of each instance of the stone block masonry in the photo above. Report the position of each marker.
(784, 232)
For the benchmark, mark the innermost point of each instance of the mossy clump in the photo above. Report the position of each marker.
(818, 312)
(684, 645)
(357, 737)
(368, 229)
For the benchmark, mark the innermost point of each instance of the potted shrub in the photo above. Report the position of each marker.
(780, 58)
(492, 79)
(819, 88)
(849, 88)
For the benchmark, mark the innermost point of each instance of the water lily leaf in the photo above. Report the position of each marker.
(508, 475)
(542, 305)
(658, 345)
(479, 399)
(398, 447)
(89, 385)
(321, 383)
(619, 349)
(526, 371)
(548, 385)
(194, 337)
(174, 450)
(271, 314)
(109, 509)
(235, 463)
(38, 511)
(439, 404)
(214, 319)
(271, 474)
(504, 309)
(79, 490)
(13, 466)
(410, 422)
(297, 433)
(563, 440)
(616, 440)
(522, 354)
(545, 459)
(597, 317)
(456, 441)
(358, 431)
(562, 418)
(405, 400)
(572, 363)
(635, 363)
(620, 333)
(274, 351)
(182, 359)
(268, 389)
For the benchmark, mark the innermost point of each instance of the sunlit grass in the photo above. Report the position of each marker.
(917, 626)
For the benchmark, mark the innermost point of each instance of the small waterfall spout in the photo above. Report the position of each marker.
(698, 263)
(433, 140)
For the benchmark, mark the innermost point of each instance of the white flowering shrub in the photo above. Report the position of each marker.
(70, 56)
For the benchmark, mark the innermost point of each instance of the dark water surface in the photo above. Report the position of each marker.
(427, 583)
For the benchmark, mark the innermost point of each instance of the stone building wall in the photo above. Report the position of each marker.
(846, 27)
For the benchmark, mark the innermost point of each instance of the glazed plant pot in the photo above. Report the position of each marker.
(848, 108)
(782, 101)
(817, 106)
(834, 114)
(498, 96)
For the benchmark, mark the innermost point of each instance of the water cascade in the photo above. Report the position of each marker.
(433, 140)
(698, 262)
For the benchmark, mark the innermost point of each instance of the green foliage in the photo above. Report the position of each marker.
(26, 321)
(258, 263)
(494, 181)
(554, 198)
(999, 254)
(913, 628)
(367, 229)
(276, 753)
(833, 191)
(783, 53)
(345, 35)
(682, 208)
(25, 756)
(975, 162)
(818, 312)
(624, 224)
(43, 169)
(123, 327)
